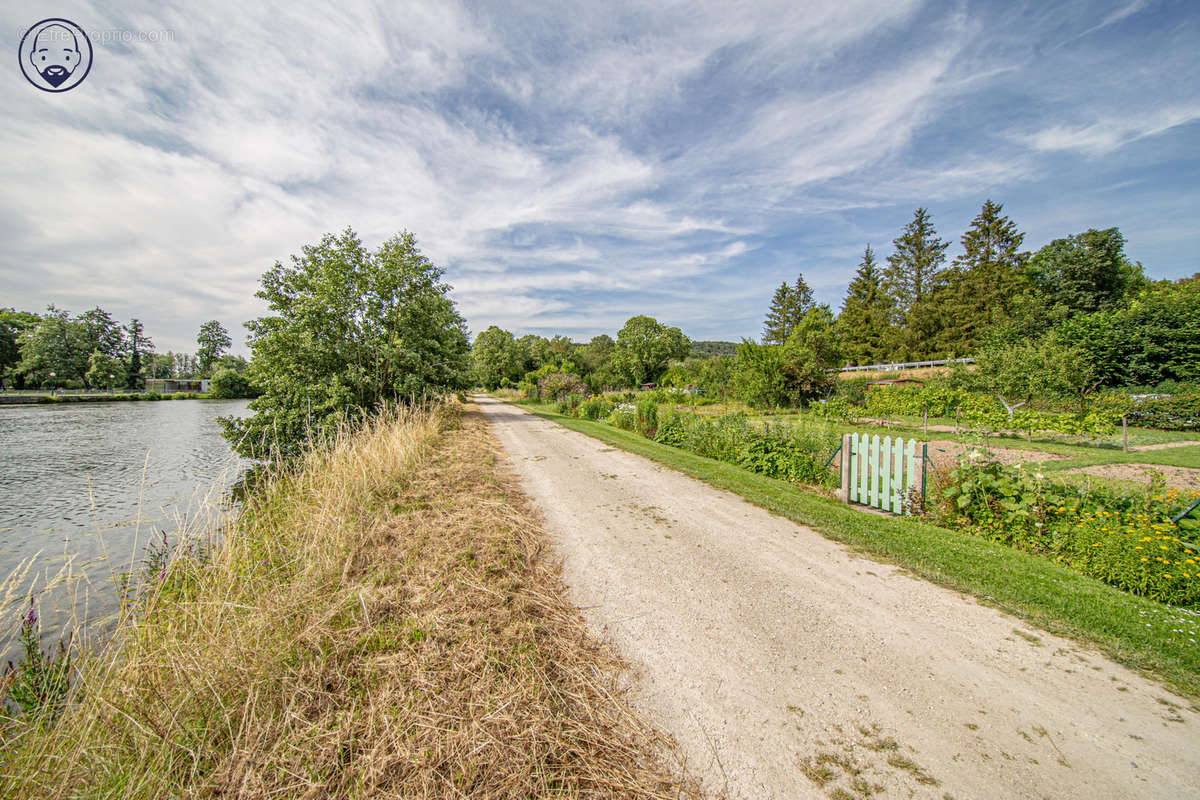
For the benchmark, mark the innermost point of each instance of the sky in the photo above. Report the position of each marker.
(570, 164)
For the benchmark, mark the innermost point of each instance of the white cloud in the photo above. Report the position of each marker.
(1106, 135)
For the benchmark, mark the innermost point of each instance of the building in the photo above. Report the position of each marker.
(177, 385)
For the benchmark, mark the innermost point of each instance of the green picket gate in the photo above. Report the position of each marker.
(881, 471)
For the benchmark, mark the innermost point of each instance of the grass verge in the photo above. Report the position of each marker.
(379, 622)
(1142, 634)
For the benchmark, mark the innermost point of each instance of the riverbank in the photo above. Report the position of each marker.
(40, 399)
(381, 621)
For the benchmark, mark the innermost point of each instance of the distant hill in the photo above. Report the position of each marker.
(710, 349)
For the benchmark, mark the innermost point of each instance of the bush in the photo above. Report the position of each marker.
(1125, 540)
(624, 417)
(647, 417)
(784, 458)
(228, 383)
(559, 386)
(1178, 412)
(595, 408)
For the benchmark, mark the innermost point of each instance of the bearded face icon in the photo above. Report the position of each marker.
(55, 55)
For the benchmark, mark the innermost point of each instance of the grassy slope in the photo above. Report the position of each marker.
(379, 623)
(1131, 630)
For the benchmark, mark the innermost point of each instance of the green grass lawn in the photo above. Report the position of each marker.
(1148, 636)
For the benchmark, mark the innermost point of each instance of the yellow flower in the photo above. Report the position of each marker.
(1167, 575)
(1145, 559)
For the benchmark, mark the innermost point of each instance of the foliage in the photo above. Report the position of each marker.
(350, 331)
(13, 324)
(712, 349)
(645, 347)
(647, 417)
(229, 383)
(213, 340)
(788, 306)
(913, 273)
(790, 454)
(1087, 272)
(496, 357)
(556, 385)
(866, 314)
(1177, 412)
(103, 369)
(982, 287)
(595, 408)
(1155, 338)
(1127, 541)
(40, 683)
(1046, 367)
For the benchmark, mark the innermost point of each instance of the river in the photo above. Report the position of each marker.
(86, 485)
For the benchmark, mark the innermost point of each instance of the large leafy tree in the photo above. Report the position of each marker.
(139, 351)
(349, 331)
(985, 283)
(58, 345)
(866, 314)
(13, 325)
(913, 274)
(1154, 339)
(212, 342)
(1086, 272)
(644, 349)
(101, 333)
(788, 305)
(495, 357)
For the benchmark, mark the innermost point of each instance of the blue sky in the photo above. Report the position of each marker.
(573, 164)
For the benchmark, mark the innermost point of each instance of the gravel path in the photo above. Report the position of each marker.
(787, 666)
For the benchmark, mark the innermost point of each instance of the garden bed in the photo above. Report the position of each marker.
(1179, 477)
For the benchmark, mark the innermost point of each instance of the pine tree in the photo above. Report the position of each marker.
(985, 282)
(788, 307)
(866, 314)
(913, 275)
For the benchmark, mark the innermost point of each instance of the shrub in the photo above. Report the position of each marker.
(1178, 412)
(228, 383)
(624, 417)
(595, 408)
(647, 417)
(1125, 540)
(559, 386)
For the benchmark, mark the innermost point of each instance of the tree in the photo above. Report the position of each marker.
(866, 314)
(213, 341)
(103, 370)
(1087, 272)
(913, 273)
(787, 307)
(57, 344)
(645, 347)
(228, 383)
(349, 331)
(495, 357)
(139, 348)
(1047, 368)
(985, 283)
(13, 325)
(101, 332)
(1155, 338)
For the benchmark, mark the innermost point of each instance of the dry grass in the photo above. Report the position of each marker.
(380, 622)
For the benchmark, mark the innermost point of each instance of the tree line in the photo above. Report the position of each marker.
(95, 351)
(1072, 318)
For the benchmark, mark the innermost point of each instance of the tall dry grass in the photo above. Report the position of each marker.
(379, 621)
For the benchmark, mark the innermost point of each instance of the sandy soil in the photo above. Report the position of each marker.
(1179, 477)
(945, 454)
(1163, 446)
(779, 659)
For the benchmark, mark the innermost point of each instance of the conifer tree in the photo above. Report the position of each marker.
(788, 307)
(985, 282)
(913, 274)
(866, 314)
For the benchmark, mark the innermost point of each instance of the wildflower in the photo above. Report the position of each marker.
(1167, 575)
(1145, 560)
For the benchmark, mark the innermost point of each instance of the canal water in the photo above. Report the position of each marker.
(85, 486)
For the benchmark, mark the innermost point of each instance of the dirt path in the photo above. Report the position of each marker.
(788, 667)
